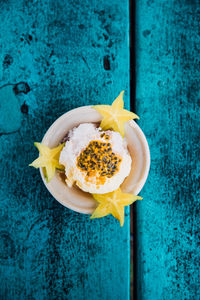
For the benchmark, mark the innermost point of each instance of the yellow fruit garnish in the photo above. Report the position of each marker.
(114, 116)
(48, 159)
(113, 203)
(97, 160)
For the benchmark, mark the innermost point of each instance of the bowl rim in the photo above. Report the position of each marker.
(134, 125)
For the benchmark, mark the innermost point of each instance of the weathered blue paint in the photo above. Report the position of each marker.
(68, 54)
(10, 120)
(167, 99)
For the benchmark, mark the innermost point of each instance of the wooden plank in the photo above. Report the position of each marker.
(68, 54)
(167, 100)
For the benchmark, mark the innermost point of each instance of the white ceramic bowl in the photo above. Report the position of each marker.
(76, 199)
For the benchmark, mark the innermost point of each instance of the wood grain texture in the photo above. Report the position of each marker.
(58, 55)
(167, 100)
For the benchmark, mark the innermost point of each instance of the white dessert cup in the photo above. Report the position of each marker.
(76, 199)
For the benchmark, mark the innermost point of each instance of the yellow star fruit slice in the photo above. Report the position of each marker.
(48, 159)
(113, 203)
(115, 116)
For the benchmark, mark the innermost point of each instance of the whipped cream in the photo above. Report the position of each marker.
(111, 154)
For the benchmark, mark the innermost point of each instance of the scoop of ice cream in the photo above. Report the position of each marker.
(97, 161)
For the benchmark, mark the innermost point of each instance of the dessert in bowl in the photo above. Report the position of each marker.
(95, 160)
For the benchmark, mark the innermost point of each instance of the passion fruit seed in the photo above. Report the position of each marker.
(99, 160)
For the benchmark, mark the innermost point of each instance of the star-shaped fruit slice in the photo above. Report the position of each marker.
(113, 203)
(48, 159)
(115, 116)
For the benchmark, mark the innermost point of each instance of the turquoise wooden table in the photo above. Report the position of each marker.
(58, 55)
(167, 99)
(55, 56)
